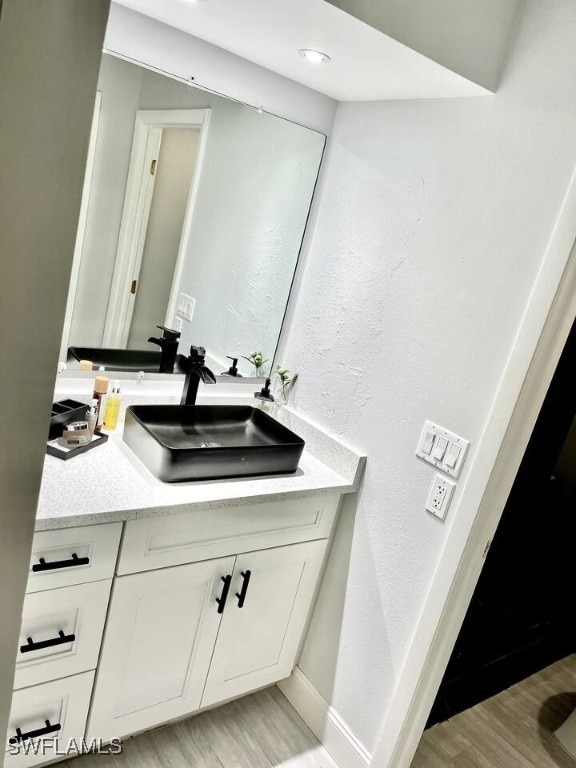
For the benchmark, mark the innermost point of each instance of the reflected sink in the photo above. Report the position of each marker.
(147, 360)
(210, 442)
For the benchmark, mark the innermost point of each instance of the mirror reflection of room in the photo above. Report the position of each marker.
(193, 215)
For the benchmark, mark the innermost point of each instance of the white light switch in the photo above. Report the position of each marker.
(427, 443)
(452, 455)
(442, 449)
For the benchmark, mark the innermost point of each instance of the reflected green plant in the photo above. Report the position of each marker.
(257, 360)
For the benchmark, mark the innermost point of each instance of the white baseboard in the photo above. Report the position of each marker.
(334, 735)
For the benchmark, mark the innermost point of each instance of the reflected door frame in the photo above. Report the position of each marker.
(148, 128)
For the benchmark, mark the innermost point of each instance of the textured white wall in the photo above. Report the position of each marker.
(432, 220)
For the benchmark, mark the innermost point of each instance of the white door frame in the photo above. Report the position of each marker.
(80, 232)
(148, 128)
(541, 337)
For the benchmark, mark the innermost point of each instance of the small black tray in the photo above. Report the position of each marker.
(61, 452)
(65, 412)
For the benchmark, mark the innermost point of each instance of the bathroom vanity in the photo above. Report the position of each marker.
(147, 601)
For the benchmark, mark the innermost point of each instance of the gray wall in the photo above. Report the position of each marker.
(470, 37)
(49, 57)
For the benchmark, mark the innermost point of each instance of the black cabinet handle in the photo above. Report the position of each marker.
(242, 594)
(33, 734)
(74, 560)
(60, 640)
(224, 596)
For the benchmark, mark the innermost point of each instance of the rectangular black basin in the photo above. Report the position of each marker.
(210, 442)
(147, 360)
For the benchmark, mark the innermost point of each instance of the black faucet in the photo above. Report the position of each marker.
(195, 371)
(169, 347)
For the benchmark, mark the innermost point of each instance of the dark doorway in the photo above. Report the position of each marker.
(521, 617)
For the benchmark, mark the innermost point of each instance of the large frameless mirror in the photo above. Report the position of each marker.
(193, 214)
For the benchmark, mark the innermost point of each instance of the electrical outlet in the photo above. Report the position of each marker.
(439, 497)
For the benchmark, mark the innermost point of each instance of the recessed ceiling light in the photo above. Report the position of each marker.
(314, 57)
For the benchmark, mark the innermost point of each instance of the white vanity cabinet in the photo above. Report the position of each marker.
(182, 637)
(153, 619)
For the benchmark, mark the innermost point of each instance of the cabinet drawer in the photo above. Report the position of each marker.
(60, 707)
(204, 534)
(61, 632)
(73, 556)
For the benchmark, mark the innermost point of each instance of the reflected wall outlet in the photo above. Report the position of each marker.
(439, 497)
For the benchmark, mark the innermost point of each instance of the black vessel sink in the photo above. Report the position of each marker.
(210, 442)
(147, 360)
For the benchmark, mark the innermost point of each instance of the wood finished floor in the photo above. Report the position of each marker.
(258, 731)
(511, 730)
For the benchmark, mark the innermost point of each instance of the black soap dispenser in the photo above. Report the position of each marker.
(264, 393)
(233, 370)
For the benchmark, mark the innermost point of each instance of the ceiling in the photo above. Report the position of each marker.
(366, 64)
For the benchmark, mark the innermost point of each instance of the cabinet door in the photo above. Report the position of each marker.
(260, 635)
(159, 639)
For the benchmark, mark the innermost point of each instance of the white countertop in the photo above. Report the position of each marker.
(109, 483)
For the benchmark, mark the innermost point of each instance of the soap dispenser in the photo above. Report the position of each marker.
(265, 393)
(233, 370)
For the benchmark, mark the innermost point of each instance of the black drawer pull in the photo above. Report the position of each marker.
(60, 640)
(33, 734)
(74, 560)
(242, 594)
(224, 596)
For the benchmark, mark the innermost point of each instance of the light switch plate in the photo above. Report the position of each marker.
(452, 457)
(185, 307)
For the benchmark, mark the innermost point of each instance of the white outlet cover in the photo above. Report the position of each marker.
(439, 496)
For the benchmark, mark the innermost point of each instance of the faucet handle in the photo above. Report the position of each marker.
(197, 354)
(168, 333)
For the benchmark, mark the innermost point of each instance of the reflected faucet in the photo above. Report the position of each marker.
(196, 371)
(169, 347)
